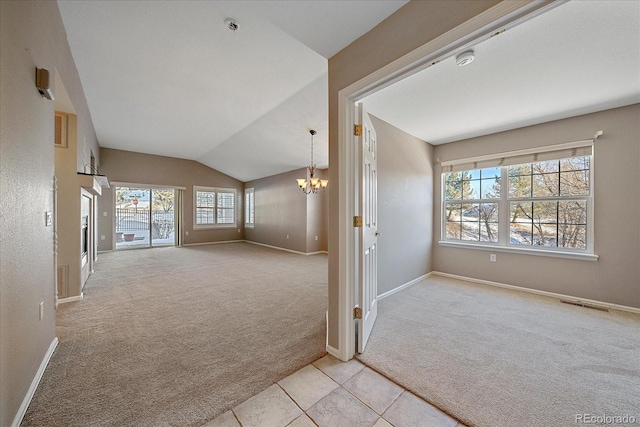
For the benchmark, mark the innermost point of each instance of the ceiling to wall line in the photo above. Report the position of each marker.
(169, 78)
(577, 58)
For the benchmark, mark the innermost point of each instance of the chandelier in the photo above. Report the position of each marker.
(311, 184)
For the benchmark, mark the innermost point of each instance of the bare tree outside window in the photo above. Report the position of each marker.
(546, 204)
(472, 208)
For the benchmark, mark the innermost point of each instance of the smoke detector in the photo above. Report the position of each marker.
(232, 24)
(465, 58)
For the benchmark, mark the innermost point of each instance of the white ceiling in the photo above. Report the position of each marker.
(168, 77)
(579, 57)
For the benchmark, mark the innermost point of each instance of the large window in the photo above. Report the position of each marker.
(543, 204)
(214, 207)
(249, 207)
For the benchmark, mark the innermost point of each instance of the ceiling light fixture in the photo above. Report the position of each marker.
(465, 58)
(232, 24)
(311, 184)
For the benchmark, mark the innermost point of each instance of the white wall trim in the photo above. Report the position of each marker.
(34, 384)
(152, 186)
(548, 252)
(406, 285)
(543, 293)
(254, 243)
(71, 299)
(214, 243)
(285, 249)
(334, 352)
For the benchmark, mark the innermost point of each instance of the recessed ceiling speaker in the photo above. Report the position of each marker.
(43, 83)
(465, 58)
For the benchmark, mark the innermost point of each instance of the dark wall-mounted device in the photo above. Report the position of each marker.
(43, 83)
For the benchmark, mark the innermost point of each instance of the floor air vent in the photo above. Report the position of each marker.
(579, 304)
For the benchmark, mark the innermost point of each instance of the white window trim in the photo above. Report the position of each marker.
(549, 252)
(215, 190)
(246, 207)
(502, 245)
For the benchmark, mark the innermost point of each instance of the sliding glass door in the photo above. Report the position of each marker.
(163, 217)
(144, 217)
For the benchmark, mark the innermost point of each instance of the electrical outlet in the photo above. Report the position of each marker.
(102, 237)
(287, 237)
(41, 310)
(238, 230)
(186, 233)
(492, 257)
(104, 213)
(316, 237)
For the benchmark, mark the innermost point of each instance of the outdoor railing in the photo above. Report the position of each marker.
(132, 219)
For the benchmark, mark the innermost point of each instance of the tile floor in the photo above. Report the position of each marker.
(331, 393)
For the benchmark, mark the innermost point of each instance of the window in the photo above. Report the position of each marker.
(543, 204)
(249, 207)
(471, 207)
(214, 207)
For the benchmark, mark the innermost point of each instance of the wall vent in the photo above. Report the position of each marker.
(579, 304)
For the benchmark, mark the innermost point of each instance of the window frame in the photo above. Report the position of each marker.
(250, 217)
(504, 233)
(215, 191)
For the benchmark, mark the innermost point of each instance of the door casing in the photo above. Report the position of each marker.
(479, 28)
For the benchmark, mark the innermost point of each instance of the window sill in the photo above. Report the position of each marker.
(525, 251)
(213, 227)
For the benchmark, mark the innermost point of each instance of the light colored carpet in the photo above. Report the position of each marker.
(177, 336)
(495, 357)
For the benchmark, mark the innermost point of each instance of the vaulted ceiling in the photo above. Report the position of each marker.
(169, 77)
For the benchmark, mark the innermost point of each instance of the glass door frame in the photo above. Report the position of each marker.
(125, 241)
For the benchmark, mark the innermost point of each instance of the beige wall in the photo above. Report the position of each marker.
(615, 277)
(68, 202)
(138, 168)
(281, 209)
(317, 219)
(412, 26)
(31, 35)
(405, 206)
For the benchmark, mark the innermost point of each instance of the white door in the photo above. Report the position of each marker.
(368, 232)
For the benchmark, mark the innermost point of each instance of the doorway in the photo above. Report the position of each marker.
(483, 26)
(145, 217)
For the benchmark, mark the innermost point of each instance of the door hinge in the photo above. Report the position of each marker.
(357, 313)
(357, 130)
(357, 221)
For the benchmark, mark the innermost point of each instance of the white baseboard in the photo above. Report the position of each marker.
(334, 352)
(544, 293)
(256, 243)
(34, 384)
(406, 285)
(213, 243)
(285, 249)
(71, 299)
